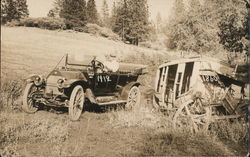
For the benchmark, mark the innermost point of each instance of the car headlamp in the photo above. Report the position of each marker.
(38, 80)
(60, 82)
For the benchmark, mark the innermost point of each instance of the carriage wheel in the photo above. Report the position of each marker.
(193, 115)
(29, 104)
(76, 103)
(134, 98)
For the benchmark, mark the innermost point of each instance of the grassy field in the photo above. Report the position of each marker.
(104, 132)
(33, 50)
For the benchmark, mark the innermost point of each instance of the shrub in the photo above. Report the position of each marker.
(236, 131)
(101, 31)
(49, 23)
(10, 93)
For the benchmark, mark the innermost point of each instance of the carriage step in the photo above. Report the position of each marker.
(112, 102)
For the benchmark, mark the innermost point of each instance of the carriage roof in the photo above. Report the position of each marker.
(216, 65)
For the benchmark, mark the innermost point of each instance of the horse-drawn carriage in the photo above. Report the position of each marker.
(199, 90)
(83, 79)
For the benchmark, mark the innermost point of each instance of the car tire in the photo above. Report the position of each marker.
(29, 105)
(76, 103)
(134, 98)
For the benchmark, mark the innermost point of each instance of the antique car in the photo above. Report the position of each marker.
(84, 79)
(199, 90)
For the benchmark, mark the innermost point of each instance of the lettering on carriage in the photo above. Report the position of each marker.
(208, 78)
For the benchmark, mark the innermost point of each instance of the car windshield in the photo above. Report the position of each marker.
(78, 59)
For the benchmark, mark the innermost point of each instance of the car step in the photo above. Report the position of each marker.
(112, 102)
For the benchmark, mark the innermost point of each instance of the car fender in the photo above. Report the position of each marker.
(71, 82)
(126, 89)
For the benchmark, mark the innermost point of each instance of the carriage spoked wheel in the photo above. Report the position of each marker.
(134, 97)
(29, 104)
(193, 115)
(76, 103)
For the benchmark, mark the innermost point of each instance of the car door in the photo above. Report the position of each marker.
(105, 83)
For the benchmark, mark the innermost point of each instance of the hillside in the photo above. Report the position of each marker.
(102, 131)
(32, 50)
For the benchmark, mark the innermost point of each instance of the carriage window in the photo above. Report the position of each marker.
(177, 92)
(170, 80)
(187, 77)
(179, 78)
(159, 80)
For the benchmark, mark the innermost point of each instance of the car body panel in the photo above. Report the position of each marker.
(60, 82)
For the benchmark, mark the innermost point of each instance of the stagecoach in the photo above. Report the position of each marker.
(199, 90)
(84, 79)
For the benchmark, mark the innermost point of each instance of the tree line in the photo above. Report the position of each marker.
(13, 10)
(195, 25)
(210, 25)
(128, 18)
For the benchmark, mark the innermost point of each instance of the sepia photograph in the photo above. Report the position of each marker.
(119, 78)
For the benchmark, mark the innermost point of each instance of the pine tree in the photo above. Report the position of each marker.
(91, 11)
(3, 11)
(131, 20)
(113, 15)
(57, 7)
(22, 9)
(74, 13)
(194, 5)
(179, 9)
(158, 22)
(13, 9)
(51, 13)
(121, 19)
(139, 26)
(105, 14)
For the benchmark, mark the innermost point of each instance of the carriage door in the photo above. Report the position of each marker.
(178, 80)
(169, 84)
(162, 79)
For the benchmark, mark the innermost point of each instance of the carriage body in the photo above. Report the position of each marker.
(180, 84)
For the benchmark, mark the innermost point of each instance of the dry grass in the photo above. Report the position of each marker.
(233, 131)
(223, 138)
(19, 131)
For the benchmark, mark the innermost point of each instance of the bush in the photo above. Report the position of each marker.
(101, 31)
(52, 23)
(49, 23)
(10, 93)
(235, 131)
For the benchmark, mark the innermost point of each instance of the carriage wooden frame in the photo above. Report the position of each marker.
(198, 90)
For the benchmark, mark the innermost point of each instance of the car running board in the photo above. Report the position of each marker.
(112, 102)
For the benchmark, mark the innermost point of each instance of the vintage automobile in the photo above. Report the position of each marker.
(199, 90)
(83, 79)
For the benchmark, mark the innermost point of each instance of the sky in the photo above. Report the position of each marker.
(40, 8)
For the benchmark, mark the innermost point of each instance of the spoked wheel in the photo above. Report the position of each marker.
(29, 104)
(76, 103)
(134, 97)
(193, 115)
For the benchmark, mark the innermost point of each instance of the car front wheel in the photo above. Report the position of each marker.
(29, 104)
(76, 103)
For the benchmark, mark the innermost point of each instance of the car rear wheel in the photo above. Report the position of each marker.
(76, 103)
(134, 98)
(29, 104)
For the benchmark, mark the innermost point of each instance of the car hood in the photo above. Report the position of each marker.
(69, 76)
